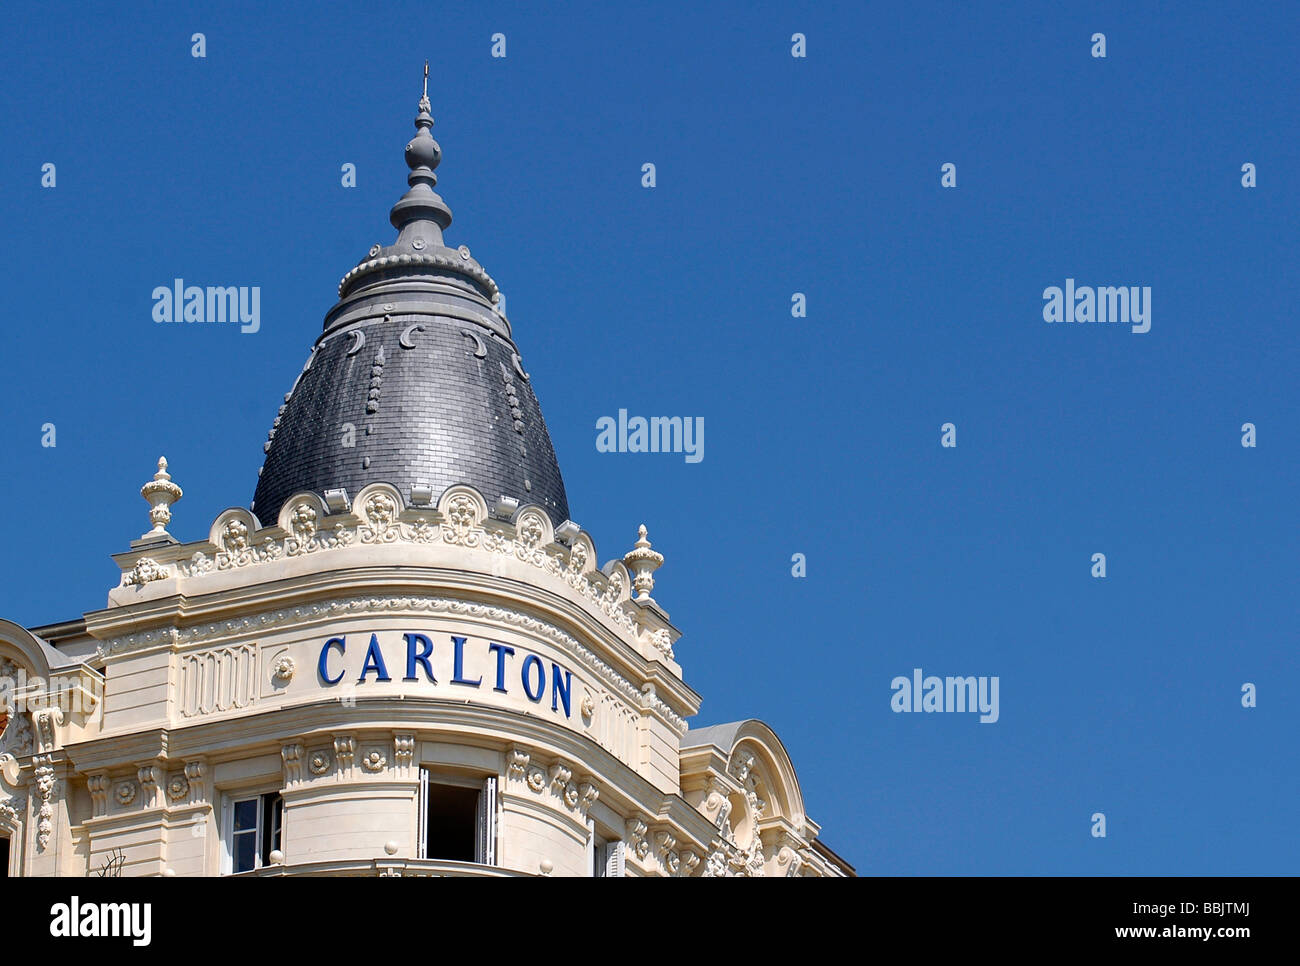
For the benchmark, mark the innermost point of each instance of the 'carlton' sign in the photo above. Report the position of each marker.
(496, 661)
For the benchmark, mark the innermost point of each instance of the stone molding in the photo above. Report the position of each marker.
(379, 517)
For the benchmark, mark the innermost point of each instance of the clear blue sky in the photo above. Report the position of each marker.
(775, 175)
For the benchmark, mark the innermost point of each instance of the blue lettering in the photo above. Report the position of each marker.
(502, 652)
(322, 666)
(422, 656)
(457, 676)
(374, 662)
(532, 660)
(560, 692)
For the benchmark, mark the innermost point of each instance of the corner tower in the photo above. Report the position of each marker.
(416, 379)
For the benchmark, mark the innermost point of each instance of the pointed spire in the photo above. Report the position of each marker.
(421, 203)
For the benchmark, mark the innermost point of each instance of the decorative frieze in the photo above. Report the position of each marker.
(243, 627)
(218, 679)
(458, 522)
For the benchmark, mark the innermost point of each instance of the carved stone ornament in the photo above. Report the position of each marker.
(717, 866)
(375, 760)
(536, 778)
(461, 525)
(196, 772)
(303, 521)
(462, 515)
(45, 793)
(125, 792)
(284, 668)
(11, 812)
(560, 775)
(291, 754)
(160, 493)
(742, 763)
(636, 837)
(319, 763)
(178, 788)
(146, 569)
(98, 786)
(516, 763)
(381, 511)
(234, 538)
(642, 562)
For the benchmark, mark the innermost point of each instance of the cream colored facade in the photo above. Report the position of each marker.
(240, 668)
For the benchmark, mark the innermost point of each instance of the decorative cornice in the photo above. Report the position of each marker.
(378, 517)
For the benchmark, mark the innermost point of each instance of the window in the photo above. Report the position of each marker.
(253, 830)
(457, 819)
(4, 857)
(608, 860)
(604, 856)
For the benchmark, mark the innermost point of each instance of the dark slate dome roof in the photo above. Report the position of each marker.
(416, 379)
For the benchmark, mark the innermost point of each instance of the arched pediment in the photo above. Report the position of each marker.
(757, 762)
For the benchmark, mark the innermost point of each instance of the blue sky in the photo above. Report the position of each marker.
(775, 175)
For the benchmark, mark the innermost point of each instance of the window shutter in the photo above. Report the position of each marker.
(422, 810)
(486, 833)
(227, 835)
(614, 863)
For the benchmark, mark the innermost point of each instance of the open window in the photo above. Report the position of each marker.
(457, 818)
(252, 829)
(604, 856)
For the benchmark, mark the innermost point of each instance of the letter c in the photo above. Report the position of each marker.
(323, 664)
